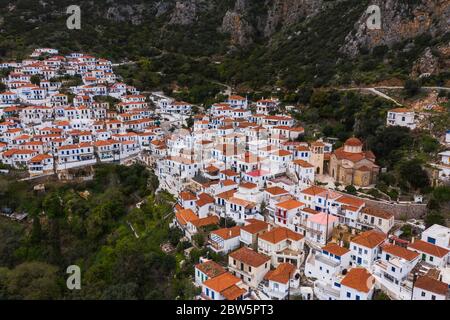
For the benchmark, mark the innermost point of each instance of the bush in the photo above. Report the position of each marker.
(350, 189)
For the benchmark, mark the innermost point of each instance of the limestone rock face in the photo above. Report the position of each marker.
(184, 13)
(427, 64)
(400, 20)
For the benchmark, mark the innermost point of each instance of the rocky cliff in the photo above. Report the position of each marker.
(282, 30)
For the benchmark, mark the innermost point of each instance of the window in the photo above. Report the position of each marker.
(431, 258)
(358, 297)
(349, 294)
(249, 269)
(423, 294)
(431, 240)
(392, 269)
(212, 294)
(433, 297)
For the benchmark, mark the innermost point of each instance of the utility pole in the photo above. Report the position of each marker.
(328, 212)
(289, 286)
(413, 284)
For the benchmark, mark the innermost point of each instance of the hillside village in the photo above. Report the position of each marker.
(248, 187)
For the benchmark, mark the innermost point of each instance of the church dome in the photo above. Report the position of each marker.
(353, 145)
(353, 142)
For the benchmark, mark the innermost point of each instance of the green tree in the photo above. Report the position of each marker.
(411, 87)
(33, 281)
(434, 217)
(414, 175)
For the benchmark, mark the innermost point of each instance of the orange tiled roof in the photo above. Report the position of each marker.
(432, 285)
(400, 252)
(369, 239)
(429, 248)
(233, 292)
(377, 212)
(187, 196)
(221, 282)
(351, 201)
(335, 249)
(249, 257)
(228, 233)
(359, 279)
(207, 221)
(185, 216)
(204, 199)
(281, 274)
(276, 190)
(279, 234)
(255, 226)
(290, 204)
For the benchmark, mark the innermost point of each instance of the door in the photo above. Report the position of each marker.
(359, 260)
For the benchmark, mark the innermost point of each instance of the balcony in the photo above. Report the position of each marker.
(323, 291)
(215, 246)
(327, 261)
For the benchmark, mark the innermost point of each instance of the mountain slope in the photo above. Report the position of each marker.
(259, 42)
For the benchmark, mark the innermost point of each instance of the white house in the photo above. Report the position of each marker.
(225, 240)
(248, 265)
(376, 218)
(444, 166)
(223, 287)
(319, 227)
(236, 101)
(206, 270)
(433, 254)
(40, 164)
(282, 245)
(279, 281)
(358, 284)
(285, 211)
(437, 235)
(251, 230)
(328, 263)
(304, 171)
(392, 269)
(366, 248)
(401, 117)
(427, 288)
(75, 155)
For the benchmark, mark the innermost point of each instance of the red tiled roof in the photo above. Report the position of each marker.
(359, 279)
(429, 248)
(249, 257)
(369, 239)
